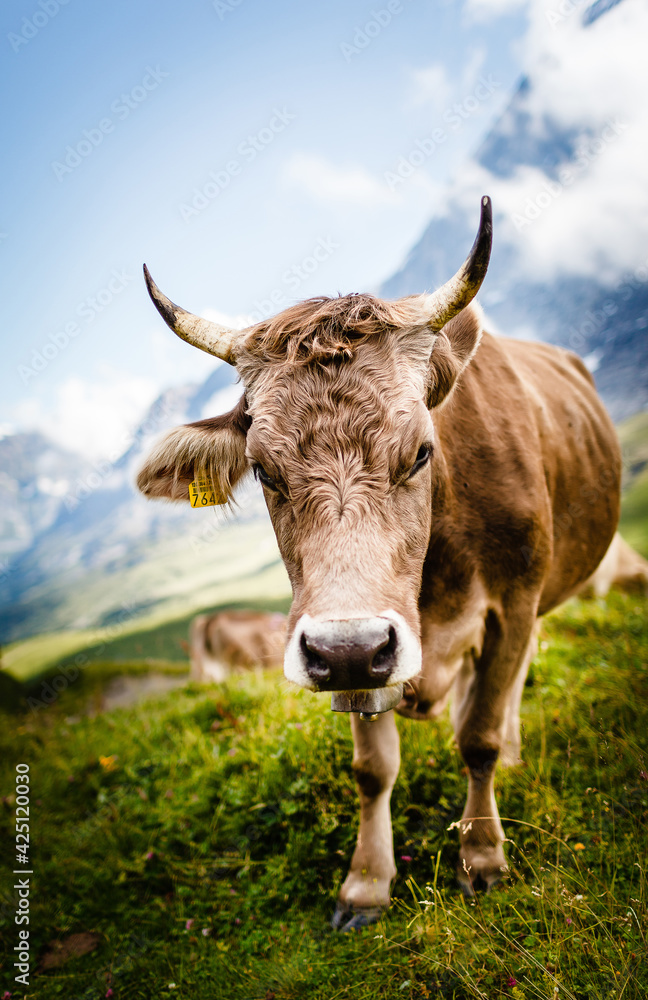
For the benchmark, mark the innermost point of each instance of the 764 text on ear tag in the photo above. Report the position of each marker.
(203, 494)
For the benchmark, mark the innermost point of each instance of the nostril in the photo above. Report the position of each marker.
(349, 654)
(383, 660)
(315, 665)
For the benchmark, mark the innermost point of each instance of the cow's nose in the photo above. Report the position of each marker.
(349, 654)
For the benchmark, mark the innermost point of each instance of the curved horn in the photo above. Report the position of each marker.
(451, 298)
(210, 337)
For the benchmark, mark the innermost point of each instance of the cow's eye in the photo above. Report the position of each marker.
(422, 457)
(263, 477)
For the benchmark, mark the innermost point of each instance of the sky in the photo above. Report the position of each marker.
(590, 80)
(245, 151)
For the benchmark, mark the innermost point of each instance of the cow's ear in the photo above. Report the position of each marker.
(214, 447)
(452, 351)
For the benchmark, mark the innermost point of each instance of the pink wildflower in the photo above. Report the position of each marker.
(406, 857)
(511, 981)
(189, 924)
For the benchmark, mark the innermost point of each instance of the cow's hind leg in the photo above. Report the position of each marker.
(487, 725)
(510, 753)
(376, 760)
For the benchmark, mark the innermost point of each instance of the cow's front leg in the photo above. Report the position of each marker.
(376, 760)
(487, 708)
(481, 856)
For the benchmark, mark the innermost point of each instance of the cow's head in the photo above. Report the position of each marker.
(336, 423)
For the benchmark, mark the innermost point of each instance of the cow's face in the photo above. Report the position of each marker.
(342, 448)
(343, 444)
(336, 422)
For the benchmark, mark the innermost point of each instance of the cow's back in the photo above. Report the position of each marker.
(535, 468)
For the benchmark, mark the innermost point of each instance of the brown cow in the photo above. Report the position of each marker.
(232, 640)
(433, 489)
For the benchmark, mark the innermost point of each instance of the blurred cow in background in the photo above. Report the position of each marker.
(620, 567)
(234, 640)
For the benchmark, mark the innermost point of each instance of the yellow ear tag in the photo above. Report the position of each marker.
(203, 494)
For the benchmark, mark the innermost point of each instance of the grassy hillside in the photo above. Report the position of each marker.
(633, 434)
(155, 636)
(196, 845)
(165, 578)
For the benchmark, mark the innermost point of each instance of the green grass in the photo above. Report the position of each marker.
(33, 656)
(235, 808)
(634, 514)
(633, 435)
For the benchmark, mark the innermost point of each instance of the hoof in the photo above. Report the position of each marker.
(347, 918)
(470, 887)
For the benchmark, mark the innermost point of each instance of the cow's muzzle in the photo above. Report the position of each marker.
(348, 655)
(352, 654)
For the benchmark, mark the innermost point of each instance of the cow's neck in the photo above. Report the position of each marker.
(448, 568)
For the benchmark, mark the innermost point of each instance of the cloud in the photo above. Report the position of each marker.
(432, 86)
(172, 361)
(326, 181)
(222, 401)
(95, 418)
(235, 322)
(589, 83)
(480, 11)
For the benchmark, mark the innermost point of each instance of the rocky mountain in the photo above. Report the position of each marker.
(35, 475)
(563, 165)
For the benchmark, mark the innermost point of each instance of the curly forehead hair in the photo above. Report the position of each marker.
(323, 328)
